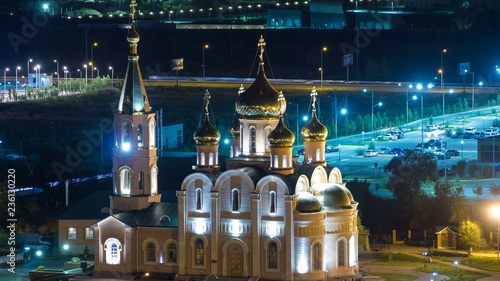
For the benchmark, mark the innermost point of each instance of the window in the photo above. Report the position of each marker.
(141, 180)
(273, 255)
(236, 200)
(200, 253)
(154, 180)
(126, 136)
(140, 136)
(210, 159)
(150, 252)
(316, 256)
(172, 253)
(318, 154)
(152, 134)
(112, 247)
(89, 233)
(125, 181)
(202, 159)
(285, 162)
(272, 202)
(276, 163)
(253, 145)
(198, 199)
(341, 253)
(72, 233)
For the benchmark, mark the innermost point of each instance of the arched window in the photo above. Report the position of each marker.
(210, 159)
(140, 136)
(200, 253)
(235, 200)
(125, 136)
(237, 151)
(150, 252)
(172, 253)
(341, 253)
(125, 181)
(198, 199)
(253, 139)
(272, 202)
(267, 131)
(141, 180)
(217, 158)
(112, 247)
(276, 163)
(154, 180)
(152, 132)
(202, 159)
(316, 256)
(273, 255)
(318, 154)
(285, 162)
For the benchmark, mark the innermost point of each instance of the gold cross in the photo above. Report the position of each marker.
(261, 45)
(314, 94)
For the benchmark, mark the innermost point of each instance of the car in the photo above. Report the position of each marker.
(397, 133)
(457, 135)
(331, 148)
(35, 247)
(450, 172)
(396, 151)
(442, 154)
(387, 137)
(453, 152)
(479, 135)
(384, 150)
(491, 132)
(470, 130)
(430, 128)
(370, 153)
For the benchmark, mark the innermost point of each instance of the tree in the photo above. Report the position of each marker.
(470, 235)
(487, 171)
(495, 190)
(408, 172)
(473, 170)
(478, 190)
(461, 168)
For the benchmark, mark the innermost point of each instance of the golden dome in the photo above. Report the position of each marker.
(281, 136)
(314, 130)
(133, 35)
(334, 196)
(206, 134)
(260, 100)
(305, 202)
(234, 129)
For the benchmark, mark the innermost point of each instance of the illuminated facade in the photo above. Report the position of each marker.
(265, 216)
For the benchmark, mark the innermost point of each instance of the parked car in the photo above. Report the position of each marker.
(442, 154)
(36, 246)
(370, 153)
(396, 151)
(384, 150)
(470, 130)
(479, 135)
(491, 132)
(453, 152)
(331, 148)
(387, 137)
(457, 135)
(450, 172)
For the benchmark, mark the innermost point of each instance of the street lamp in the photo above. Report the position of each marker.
(441, 71)
(462, 148)
(97, 71)
(65, 74)
(203, 65)
(373, 106)
(92, 56)
(28, 70)
(321, 64)
(112, 74)
(5, 79)
(496, 213)
(410, 86)
(339, 148)
(86, 80)
(473, 86)
(17, 68)
(57, 71)
(420, 87)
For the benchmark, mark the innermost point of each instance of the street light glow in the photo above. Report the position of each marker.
(419, 86)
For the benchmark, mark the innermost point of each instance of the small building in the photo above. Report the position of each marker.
(488, 149)
(40, 80)
(286, 18)
(172, 136)
(446, 237)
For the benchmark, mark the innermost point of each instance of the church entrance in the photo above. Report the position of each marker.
(235, 262)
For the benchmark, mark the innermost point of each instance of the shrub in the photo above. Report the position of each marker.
(360, 151)
(473, 170)
(371, 146)
(461, 168)
(487, 171)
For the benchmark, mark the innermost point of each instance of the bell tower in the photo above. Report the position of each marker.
(135, 173)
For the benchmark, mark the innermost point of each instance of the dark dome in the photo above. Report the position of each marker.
(234, 129)
(281, 136)
(305, 202)
(314, 130)
(206, 134)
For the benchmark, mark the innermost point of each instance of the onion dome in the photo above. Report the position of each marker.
(234, 129)
(334, 196)
(207, 134)
(133, 35)
(314, 130)
(348, 194)
(305, 202)
(261, 99)
(281, 136)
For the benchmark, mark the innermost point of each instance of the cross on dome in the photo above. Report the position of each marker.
(206, 100)
(261, 46)
(314, 95)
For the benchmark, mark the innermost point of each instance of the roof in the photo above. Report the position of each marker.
(89, 207)
(151, 216)
(442, 228)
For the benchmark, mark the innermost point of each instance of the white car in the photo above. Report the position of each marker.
(370, 153)
(491, 132)
(387, 136)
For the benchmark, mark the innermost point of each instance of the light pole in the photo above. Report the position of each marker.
(112, 74)
(5, 79)
(17, 68)
(203, 63)
(28, 70)
(407, 100)
(296, 121)
(339, 148)
(420, 87)
(57, 71)
(65, 74)
(496, 213)
(473, 86)
(92, 56)
(97, 71)
(79, 71)
(441, 71)
(373, 106)
(462, 148)
(86, 76)
(321, 64)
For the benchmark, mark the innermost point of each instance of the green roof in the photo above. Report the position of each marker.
(88, 208)
(158, 214)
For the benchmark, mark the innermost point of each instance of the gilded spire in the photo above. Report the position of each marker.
(314, 95)
(133, 98)
(314, 130)
(261, 46)
(207, 134)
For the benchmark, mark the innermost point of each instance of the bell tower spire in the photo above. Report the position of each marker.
(314, 134)
(135, 173)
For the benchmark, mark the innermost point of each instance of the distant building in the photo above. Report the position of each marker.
(40, 80)
(446, 237)
(488, 149)
(172, 136)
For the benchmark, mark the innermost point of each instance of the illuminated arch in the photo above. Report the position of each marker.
(113, 248)
(150, 249)
(335, 176)
(152, 132)
(171, 250)
(318, 175)
(125, 180)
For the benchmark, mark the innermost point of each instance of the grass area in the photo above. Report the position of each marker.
(486, 263)
(395, 277)
(420, 264)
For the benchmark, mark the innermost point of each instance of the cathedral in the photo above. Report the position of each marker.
(262, 216)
